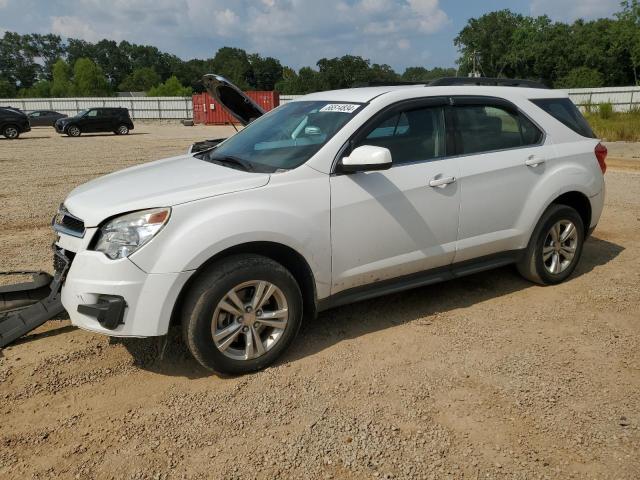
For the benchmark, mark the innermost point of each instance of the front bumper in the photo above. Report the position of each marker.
(141, 304)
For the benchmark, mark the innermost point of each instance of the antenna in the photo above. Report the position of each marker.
(475, 68)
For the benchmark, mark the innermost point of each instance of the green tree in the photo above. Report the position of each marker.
(382, 73)
(190, 73)
(171, 88)
(581, 77)
(141, 80)
(488, 40)
(421, 74)
(49, 49)
(7, 89)
(17, 60)
(88, 79)
(61, 85)
(628, 33)
(40, 89)
(266, 72)
(233, 64)
(343, 72)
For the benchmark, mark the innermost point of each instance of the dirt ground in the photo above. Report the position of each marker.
(483, 377)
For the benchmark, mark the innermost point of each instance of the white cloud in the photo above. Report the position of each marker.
(299, 32)
(574, 9)
(4, 3)
(73, 27)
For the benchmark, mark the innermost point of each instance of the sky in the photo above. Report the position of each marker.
(400, 33)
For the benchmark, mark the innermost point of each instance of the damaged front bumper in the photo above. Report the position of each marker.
(20, 314)
(117, 298)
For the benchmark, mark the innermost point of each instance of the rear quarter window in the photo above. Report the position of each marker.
(563, 110)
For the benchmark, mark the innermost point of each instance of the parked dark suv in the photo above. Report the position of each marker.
(104, 119)
(13, 122)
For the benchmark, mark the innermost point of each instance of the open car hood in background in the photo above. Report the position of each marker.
(232, 99)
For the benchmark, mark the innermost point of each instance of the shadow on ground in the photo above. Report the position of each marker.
(361, 318)
(109, 134)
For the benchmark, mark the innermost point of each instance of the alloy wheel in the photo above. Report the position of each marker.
(559, 247)
(250, 320)
(11, 132)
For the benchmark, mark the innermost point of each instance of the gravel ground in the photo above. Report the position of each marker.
(483, 377)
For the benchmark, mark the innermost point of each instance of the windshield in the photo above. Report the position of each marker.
(82, 113)
(283, 139)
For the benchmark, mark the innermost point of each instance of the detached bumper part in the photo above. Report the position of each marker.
(109, 311)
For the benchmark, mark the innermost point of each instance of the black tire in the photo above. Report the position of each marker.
(122, 130)
(212, 286)
(532, 266)
(11, 132)
(73, 131)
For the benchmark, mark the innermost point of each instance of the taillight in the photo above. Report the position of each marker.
(601, 155)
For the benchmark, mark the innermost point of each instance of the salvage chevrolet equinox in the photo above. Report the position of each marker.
(332, 198)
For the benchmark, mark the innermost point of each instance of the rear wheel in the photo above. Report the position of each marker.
(11, 132)
(555, 246)
(73, 131)
(122, 130)
(241, 314)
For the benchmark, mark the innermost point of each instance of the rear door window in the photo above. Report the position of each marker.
(563, 110)
(485, 128)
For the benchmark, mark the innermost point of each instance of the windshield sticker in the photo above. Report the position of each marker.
(340, 107)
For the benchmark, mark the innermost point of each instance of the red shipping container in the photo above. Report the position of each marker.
(206, 110)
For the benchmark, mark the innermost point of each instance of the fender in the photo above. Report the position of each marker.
(585, 180)
(199, 230)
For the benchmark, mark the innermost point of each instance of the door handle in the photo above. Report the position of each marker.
(534, 161)
(441, 182)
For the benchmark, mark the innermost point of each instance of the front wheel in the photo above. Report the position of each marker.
(73, 131)
(555, 246)
(11, 132)
(241, 314)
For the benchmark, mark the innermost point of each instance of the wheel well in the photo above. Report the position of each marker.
(580, 203)
(285, 256)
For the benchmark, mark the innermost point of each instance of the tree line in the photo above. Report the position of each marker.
(603, 52)
(598, 53)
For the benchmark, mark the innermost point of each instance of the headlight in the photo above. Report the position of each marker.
(123, 235)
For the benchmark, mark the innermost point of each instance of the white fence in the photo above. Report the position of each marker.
(622, 99)
(139, 107)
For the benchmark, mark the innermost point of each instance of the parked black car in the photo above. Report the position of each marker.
(104, 119)
(13, 122)
(44, 118)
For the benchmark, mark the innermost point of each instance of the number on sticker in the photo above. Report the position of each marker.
(340, 107)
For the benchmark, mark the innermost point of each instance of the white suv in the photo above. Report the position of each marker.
(333, 198)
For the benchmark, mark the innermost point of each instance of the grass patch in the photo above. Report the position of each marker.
(615, 126)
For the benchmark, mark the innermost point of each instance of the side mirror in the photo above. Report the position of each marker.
(366, 158)
(312, 130)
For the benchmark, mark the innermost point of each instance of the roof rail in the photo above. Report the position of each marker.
(383, 83)
(485, 81)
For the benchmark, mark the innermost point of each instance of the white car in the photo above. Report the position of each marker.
(333, 198)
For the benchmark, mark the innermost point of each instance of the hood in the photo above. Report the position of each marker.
(63, 120)
(232, 99)
(158, 184)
